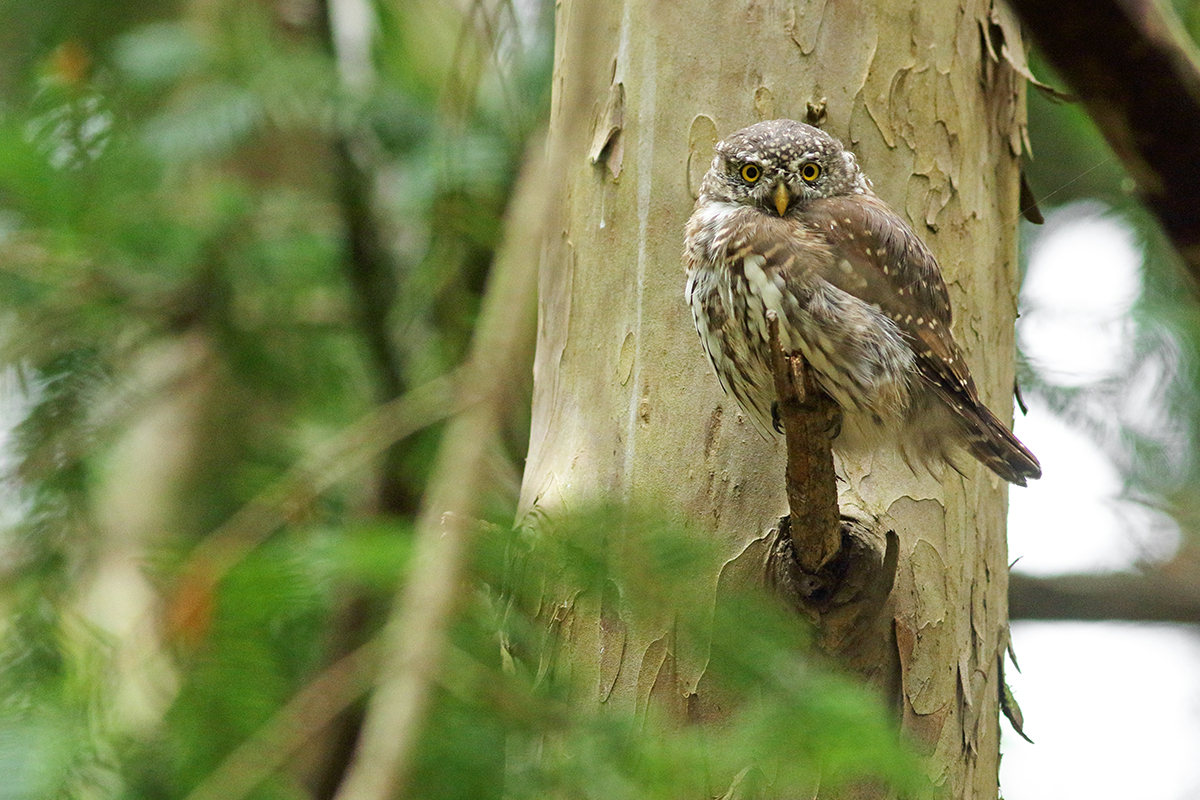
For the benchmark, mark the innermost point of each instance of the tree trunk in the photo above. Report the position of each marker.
(625, 405)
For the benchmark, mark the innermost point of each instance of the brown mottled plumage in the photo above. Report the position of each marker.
(786, 222)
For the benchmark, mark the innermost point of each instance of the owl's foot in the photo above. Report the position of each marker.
(835, 423)
(776, 421)
(834, 427)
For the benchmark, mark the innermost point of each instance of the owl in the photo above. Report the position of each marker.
(787, 222)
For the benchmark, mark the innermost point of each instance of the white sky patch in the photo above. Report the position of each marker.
(529, 15)
(1074, 519)
(1077, 329)
(353, 23)
(1114, 709)
(16, 401)
(1084, 277)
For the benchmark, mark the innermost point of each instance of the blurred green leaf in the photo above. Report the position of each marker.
(157, 55)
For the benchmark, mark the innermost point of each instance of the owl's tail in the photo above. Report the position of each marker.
(990, 441)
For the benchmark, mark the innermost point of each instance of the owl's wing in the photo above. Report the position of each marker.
(892, 268)
(870, 252)
(876, 256)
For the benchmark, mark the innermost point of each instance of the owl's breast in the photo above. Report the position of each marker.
(710, 228)
(741, 268)
(731, 322)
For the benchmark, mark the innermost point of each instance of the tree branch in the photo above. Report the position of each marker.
(836, 569)
(806, 414)
(1132, 66)
(413, 640)
(272, 745)
(369, 268)
(1149, 597)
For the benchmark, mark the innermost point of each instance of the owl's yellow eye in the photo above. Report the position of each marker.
(810, 172)
(751, 173)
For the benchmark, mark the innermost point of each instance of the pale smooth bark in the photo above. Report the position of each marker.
(625, 405)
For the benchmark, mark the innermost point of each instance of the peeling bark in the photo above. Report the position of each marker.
(625, 406)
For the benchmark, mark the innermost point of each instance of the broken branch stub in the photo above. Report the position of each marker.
(835, 569)
(807, 415)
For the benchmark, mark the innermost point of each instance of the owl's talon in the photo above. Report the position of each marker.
(835, 423)
(776, 421)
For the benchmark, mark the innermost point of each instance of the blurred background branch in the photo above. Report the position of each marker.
(414, 638)
(1134, 68)
(1153, 597)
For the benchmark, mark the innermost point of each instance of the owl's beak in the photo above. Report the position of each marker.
(781, 198)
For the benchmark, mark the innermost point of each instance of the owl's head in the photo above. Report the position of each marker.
(780, 166)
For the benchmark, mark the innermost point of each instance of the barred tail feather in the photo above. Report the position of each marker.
(993, 444)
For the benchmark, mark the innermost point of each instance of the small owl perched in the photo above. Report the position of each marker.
(786, 222)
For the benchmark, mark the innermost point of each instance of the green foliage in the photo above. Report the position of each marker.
(789, 722)
(183, 322)
(1072, 164)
